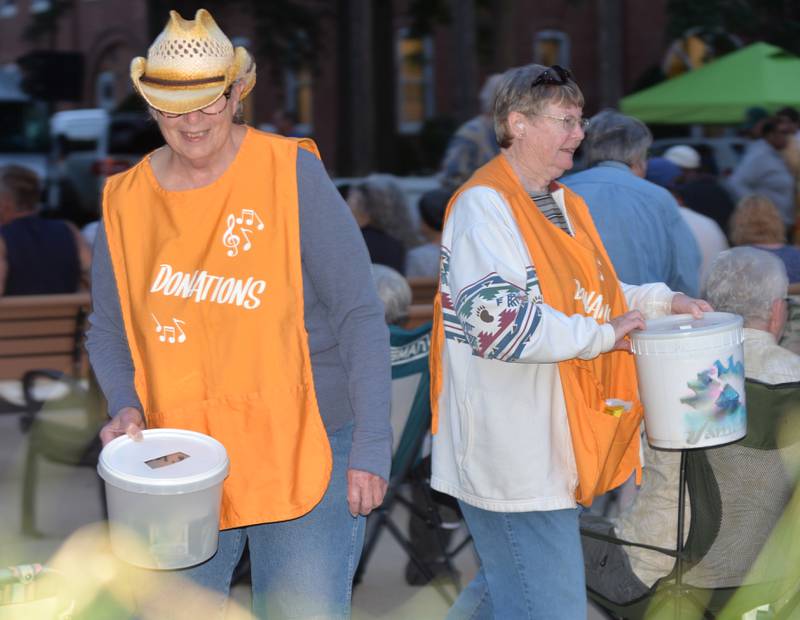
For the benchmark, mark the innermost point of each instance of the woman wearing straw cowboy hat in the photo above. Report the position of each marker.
(233, 296)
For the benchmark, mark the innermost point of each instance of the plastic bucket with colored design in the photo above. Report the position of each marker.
(691, 380)
(163, 495)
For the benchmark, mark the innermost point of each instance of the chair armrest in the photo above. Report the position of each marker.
(619, 541)
(30, 377)
(34, 405)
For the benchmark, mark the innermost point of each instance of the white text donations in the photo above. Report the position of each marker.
(592, 303)
(202, 286)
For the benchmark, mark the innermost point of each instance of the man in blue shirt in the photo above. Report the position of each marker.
(638, 221)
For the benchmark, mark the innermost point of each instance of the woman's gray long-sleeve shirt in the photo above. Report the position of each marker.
(347, 337)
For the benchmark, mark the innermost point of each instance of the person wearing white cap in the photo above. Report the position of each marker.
(232, 295)
(699, 191)
(683, 156)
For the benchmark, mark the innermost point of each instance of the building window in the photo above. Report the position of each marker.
(415, 81)
(299, 99)
(40, 6)
(551, 47)
(8, 8)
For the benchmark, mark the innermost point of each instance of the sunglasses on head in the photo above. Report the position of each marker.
(553, 75)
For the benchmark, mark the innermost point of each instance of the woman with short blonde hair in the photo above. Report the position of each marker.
(756, 221)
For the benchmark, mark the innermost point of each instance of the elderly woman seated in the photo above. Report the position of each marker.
(744, 281)
(757, 222)
(395, 293)
(380, 210)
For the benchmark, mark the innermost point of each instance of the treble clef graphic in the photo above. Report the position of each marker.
(230, 238)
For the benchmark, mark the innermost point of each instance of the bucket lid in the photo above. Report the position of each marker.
(686, 326)
(167, 461)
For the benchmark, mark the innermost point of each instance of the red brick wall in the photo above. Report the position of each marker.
(108, 32)
(111, 32)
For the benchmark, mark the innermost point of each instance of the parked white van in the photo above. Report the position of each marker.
(91, 144)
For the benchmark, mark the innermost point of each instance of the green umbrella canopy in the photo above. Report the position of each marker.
(758, 75)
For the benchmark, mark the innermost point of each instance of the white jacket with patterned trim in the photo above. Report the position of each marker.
(503, 442)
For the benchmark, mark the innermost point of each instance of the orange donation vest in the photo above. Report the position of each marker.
(211, 290)
(576, 277)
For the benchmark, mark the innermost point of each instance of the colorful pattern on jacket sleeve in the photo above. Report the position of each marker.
(495, 317)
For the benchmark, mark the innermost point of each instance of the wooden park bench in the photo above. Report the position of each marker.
(44, 375)
(43, 331)
(423, 290)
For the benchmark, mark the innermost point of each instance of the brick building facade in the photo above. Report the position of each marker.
(376, 87)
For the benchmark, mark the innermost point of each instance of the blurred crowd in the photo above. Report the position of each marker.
(665, 219)
(666, 224)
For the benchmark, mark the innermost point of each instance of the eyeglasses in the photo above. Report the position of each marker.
(568, 122)
(552, 75)
(212, 109)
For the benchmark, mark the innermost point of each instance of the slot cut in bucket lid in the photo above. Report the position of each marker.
(166, 462)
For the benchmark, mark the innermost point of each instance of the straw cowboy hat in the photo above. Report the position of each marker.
(190, 65)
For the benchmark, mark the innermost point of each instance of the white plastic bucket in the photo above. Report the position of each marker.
(691, 380)
(164, 492)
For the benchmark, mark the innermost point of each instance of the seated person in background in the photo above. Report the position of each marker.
(707, 233)
(757, 222)
(423, 260)
(394, 292)
(37, 256)
(473, 144)
(380, 210)
(744, 281)
(639, 223)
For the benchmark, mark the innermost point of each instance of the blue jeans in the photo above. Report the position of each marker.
(301, 568)
(531, 567)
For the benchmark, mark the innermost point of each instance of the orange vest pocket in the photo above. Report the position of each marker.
(270, 448)
(611, 447)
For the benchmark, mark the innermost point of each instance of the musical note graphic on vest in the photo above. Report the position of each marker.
(248, 217)
(170, 333)
(247, 245)
(236, 229)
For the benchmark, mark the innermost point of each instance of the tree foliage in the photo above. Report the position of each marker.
(45, 23)
(773, 21)
(285, 31)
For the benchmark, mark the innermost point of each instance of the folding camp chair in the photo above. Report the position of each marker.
(62, 430)
(411, 418)
(738, 493)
